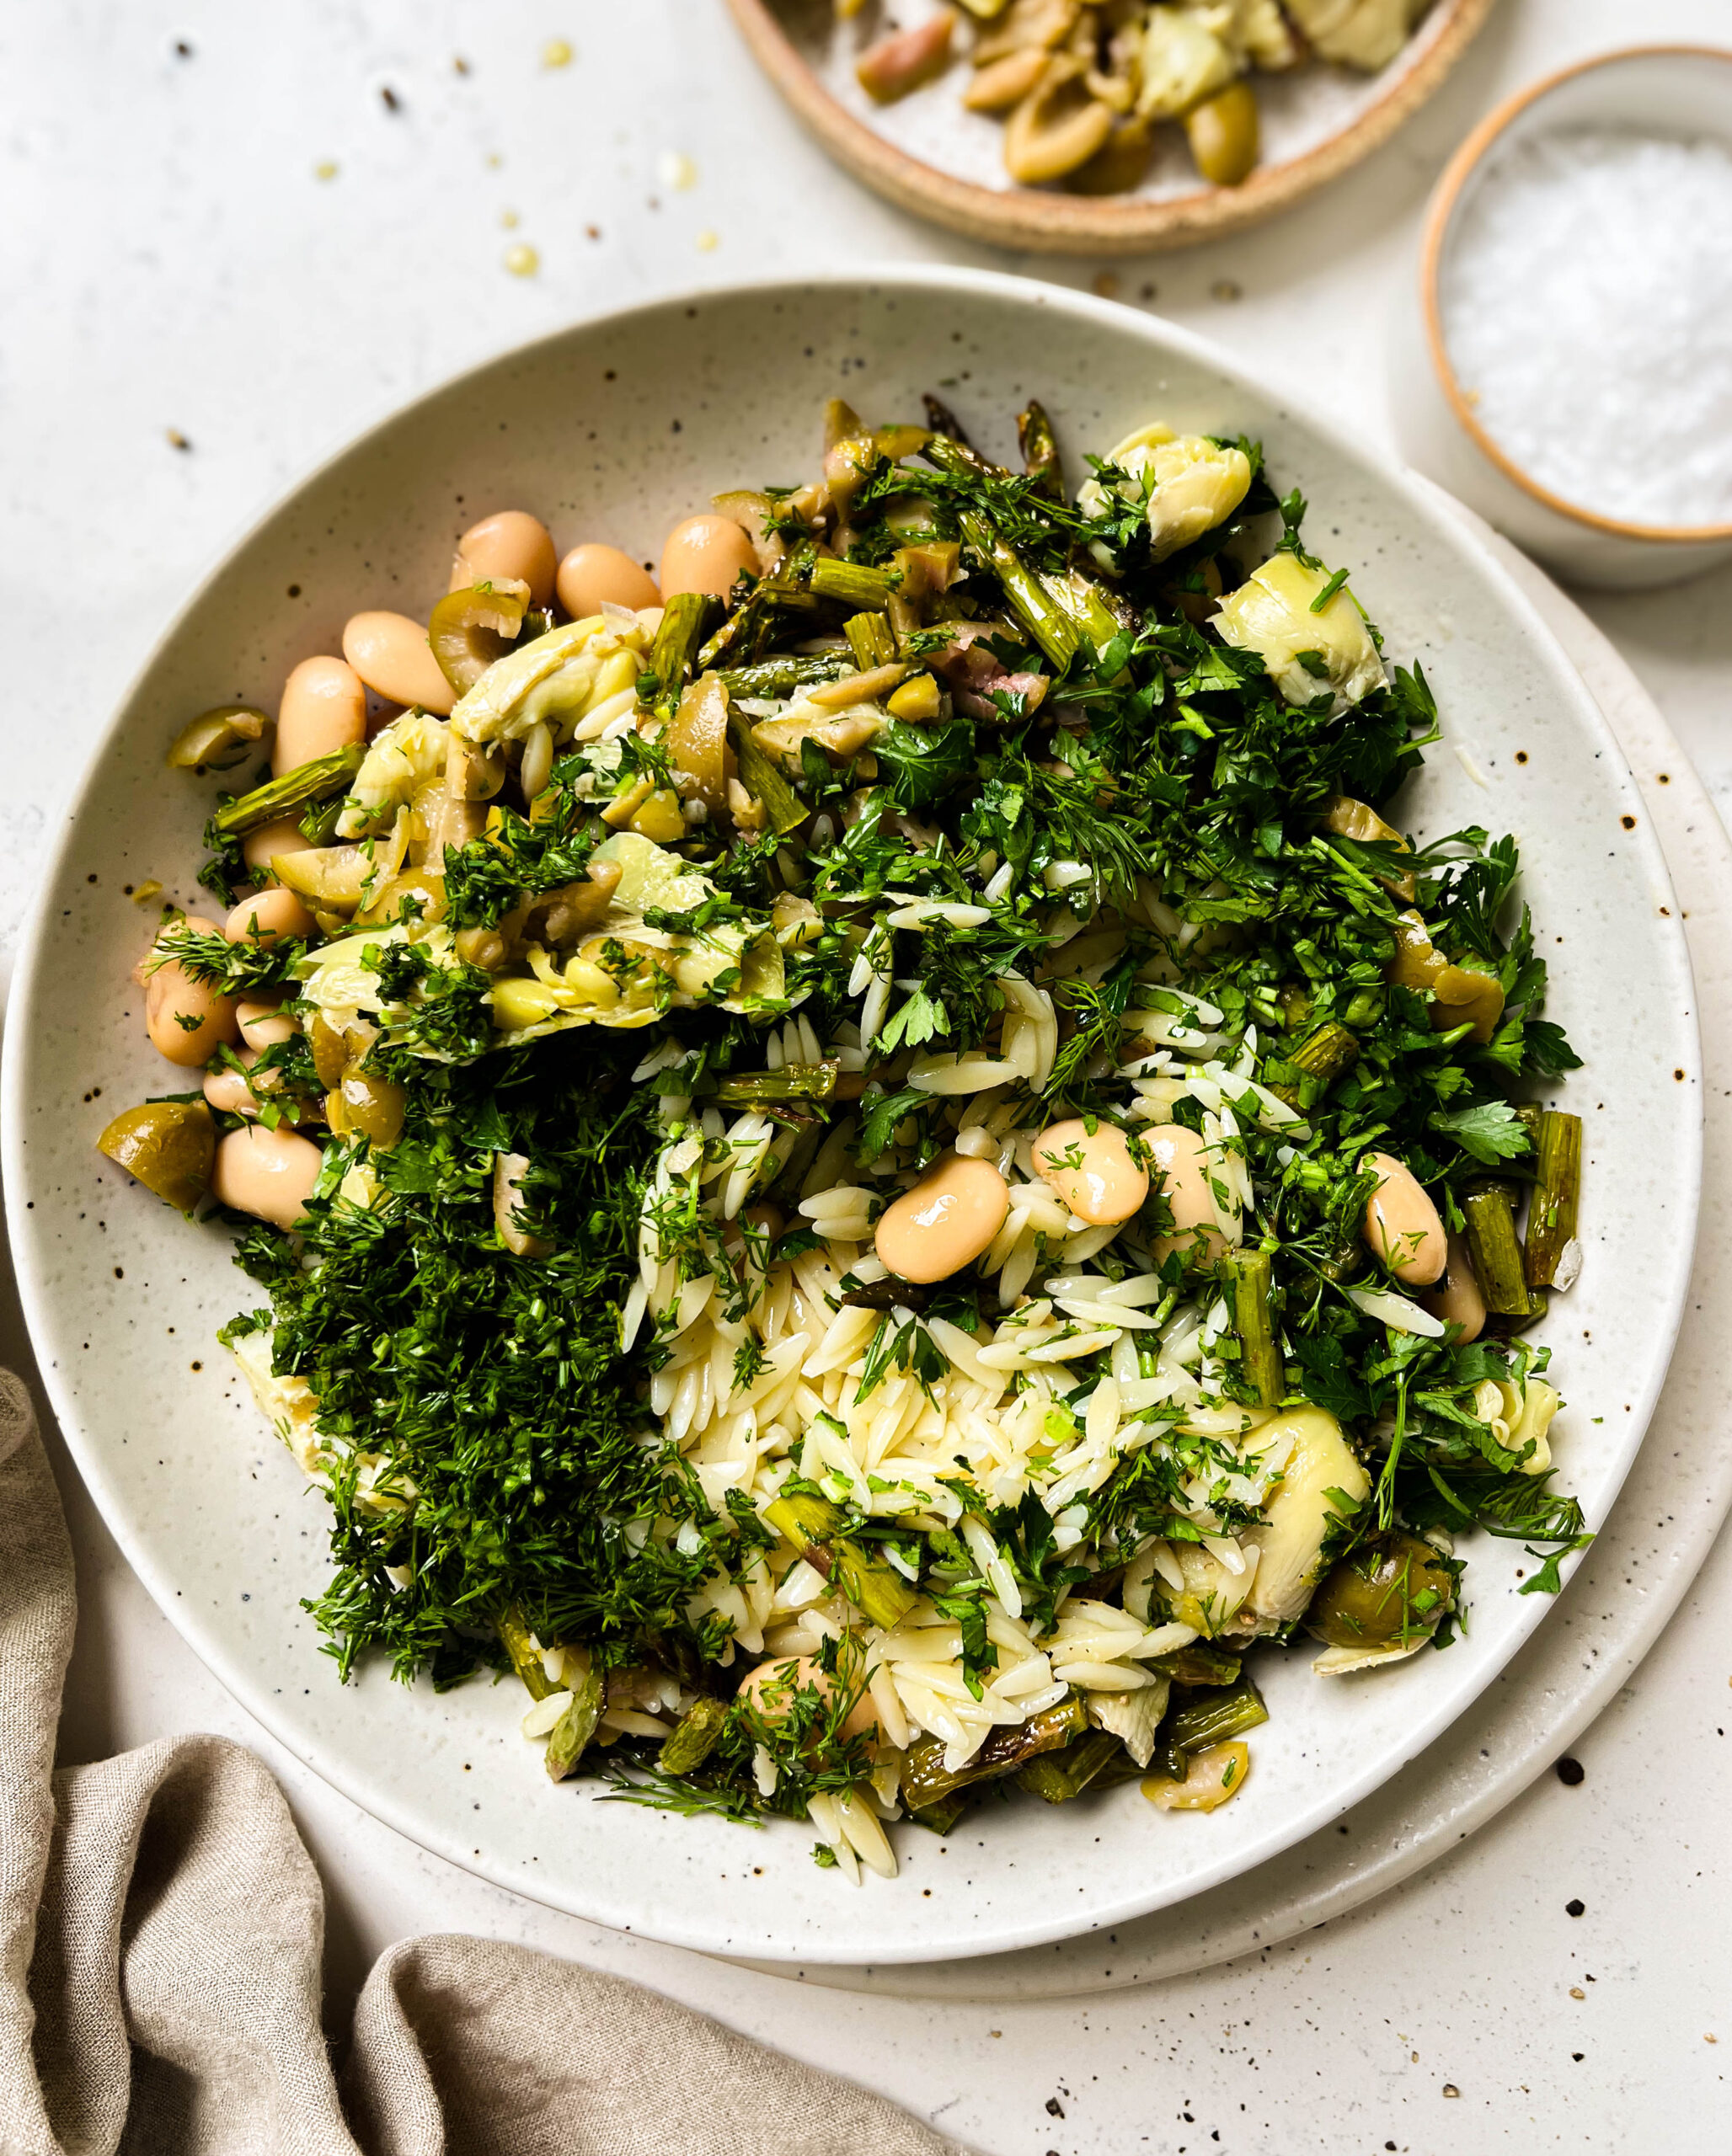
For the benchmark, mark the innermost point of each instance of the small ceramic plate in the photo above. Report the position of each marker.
(928, 154)
(1660, 92)
(613, 431)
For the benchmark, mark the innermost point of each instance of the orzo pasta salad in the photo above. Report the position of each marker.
(873, 1162)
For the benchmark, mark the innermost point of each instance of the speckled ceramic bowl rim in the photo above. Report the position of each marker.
(374, 1792)
(1481, 144)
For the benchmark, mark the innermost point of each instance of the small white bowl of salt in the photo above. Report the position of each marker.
(1568, 369)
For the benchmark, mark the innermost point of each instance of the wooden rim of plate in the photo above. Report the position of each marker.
(1080, 224)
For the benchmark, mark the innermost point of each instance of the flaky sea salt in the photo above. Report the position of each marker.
(1586, 300)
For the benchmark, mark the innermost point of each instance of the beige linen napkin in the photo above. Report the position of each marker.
(161, 1927)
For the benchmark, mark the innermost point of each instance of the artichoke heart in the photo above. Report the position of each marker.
(1188, 484)
(625, 975)
(1519, 1416)
(1363, 34)
(1322, 1469)
(1183, 62)
(1210, 1599)
(1261, 36)
(557, 678)
(291, 1406)
(1308, 653)
(1344, 1662)
(629, 973)
(288, 1403)
(1133, 1717)
(839, 734)
(409, 754)
(1196, 485)
(347, 989)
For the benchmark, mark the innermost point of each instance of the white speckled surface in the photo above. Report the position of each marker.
(183, 268)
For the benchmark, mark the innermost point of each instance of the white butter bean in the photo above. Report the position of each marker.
(771, 1686)
(393, 656)
(1186, 1170)
(323, 709)
(1456, 1298)
(259, 847)
(1401, 1226)
(509, 547)
(227, 1089)
(592, 574)
(262, 1022)
(268, 1173)
(270, 913)
(1094, 1172)
(509, 1169)
(187, 1021)
(947, 1220)
(706, 553)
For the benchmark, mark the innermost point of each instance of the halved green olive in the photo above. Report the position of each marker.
(1059, 126)
(217, 739)
(1462, 995)
(333, 876)
(484, 947)
(1390, 1592)
(1117, 167)
(755, 514)
(1416, 963)
(330, 1051)
(364, 1107)
(1223, 135)
(169, 1146)
(473, 627)
(698, 740)
(424, 886)
(1357, 819)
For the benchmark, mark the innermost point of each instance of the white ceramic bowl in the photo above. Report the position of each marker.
(611, 430)
(1678, 90)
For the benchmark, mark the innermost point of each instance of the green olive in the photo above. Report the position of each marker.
(330, 1051)
(333, 876)
(1389, 1591)
(364, 1106)
(1462, 995)
(1416, 963)
(169, 1146)
(473, 627)
(1222, 131)
(1357, 819)
(425, 886)
(1117, 167)
(1059, 126)
(217, 739)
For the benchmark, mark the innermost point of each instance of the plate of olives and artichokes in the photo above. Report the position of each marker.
(1103, 126)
